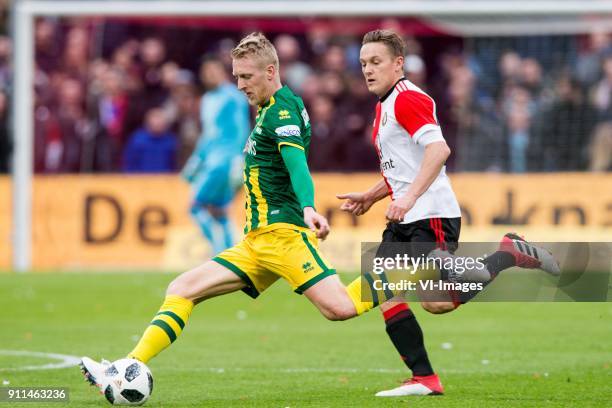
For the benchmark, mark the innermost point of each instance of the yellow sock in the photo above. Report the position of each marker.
(354, 292)
(165, 327)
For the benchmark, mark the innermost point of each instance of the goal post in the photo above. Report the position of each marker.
(23, 129)
(455, 15)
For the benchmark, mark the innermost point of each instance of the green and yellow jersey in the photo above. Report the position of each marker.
(270, 197)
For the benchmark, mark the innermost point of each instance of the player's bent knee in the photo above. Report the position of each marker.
(438, 307)
(331, 298)
(338, 313)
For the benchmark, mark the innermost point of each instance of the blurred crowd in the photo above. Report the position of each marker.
(132, 105)
(135, 111)
(543, 106)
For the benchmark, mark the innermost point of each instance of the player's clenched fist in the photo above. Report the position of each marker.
(398, 208)
(316, 222)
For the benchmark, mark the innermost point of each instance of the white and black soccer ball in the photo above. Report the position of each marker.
(128, 382)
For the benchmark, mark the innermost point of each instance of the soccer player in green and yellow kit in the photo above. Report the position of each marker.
(282, 226)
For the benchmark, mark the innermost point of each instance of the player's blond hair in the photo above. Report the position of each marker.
(392, 40)
(256, 44)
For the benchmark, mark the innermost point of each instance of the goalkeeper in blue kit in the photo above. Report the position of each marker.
(214, 169)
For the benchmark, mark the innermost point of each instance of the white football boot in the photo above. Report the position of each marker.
(94, 372)
(417, 385)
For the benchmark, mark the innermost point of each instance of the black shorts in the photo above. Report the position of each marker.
(423, 235)
(419, 238)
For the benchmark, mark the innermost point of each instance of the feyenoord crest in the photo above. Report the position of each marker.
(384, 119)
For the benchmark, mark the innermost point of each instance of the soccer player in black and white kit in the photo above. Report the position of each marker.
(423, 208)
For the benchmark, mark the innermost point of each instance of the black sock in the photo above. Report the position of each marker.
(407, 337)
(499, 261)
(495, 263)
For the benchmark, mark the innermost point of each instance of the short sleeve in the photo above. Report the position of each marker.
(286, 126)
(416, 112)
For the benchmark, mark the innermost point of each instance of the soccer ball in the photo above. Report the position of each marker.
(128, 382)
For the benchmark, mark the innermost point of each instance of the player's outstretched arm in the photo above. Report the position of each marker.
(360, 203)
(434, 158)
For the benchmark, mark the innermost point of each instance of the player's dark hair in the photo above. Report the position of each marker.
(392, 40)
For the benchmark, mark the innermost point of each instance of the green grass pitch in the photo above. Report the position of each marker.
(278, 351)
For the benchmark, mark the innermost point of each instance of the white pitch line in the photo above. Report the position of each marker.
(64, 360)
(221, 370)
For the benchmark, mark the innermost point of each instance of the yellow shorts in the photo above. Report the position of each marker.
(278, 250)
